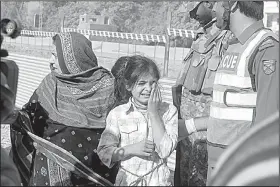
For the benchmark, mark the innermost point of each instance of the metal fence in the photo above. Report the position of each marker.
(109, 46)
(32, 71)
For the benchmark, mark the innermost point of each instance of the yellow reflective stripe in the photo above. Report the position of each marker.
(232, 80)
(241, 69)
(240, 99)
(230, 113)
(171, 161)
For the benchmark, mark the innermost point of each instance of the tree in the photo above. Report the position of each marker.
(124, 15)
(148, 17)
(72, 10)
(133, 16)
(181, 18)
(15, 10)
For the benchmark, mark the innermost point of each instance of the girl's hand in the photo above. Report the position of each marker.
(154, 100)
(145, 148)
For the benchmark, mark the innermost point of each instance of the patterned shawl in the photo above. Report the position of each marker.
(83, 94)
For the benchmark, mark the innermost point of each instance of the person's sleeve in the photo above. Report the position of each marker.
(37, 114)
(170, 138)
(109, 140)
(9, 173)
(267, 82)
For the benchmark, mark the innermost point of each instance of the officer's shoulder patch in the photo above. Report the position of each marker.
(269, 66)
(266, 44)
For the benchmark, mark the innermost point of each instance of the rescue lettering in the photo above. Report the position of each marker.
(229, 62)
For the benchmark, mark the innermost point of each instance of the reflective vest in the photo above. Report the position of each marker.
(234, 99)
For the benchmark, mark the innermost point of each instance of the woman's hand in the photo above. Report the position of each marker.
(154, 100)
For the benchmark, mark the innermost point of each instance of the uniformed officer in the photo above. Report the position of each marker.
(246, 85)
(192, 94)
(253, 160)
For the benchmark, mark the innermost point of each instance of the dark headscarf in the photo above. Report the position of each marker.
(74, 52)
(83, 94)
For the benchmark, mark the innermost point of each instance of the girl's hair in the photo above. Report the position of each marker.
(121, 94)
(127, 71)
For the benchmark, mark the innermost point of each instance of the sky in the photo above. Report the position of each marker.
(33, 5)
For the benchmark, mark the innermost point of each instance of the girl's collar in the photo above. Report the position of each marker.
(137, 105)
(131, 105)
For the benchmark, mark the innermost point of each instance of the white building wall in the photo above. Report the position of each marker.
(271, 8)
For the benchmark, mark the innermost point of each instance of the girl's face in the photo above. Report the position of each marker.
(141, 91)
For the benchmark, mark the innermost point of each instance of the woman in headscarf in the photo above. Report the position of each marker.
(67, 115)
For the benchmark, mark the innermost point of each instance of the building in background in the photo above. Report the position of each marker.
(271, 15)
(96, 22)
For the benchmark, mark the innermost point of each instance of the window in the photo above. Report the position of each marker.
(93, 19)
(36, 20)
(106, 20)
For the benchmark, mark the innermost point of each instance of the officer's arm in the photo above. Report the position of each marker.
(267, 81)
(187, 127)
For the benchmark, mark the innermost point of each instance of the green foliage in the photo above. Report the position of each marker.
(15, 10)
(148, 17)
(72, 11)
